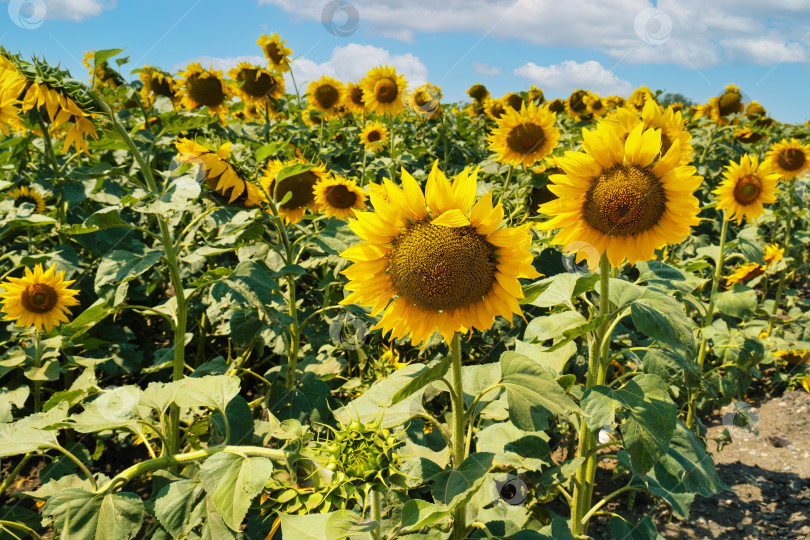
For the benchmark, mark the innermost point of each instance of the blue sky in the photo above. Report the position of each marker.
(685, 46)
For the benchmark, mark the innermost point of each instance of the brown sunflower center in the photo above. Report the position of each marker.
(273, 52)
(576, 101)
(514, 101)
(624, 200)
(747, 189)
(39, 298)
(356, 95)
(20, 199)
(255, 83)
(374, 135)
(385, 90)
(791, 159)
(160, 86)
(478, 91)
(207, 91)
(525, 138)
(730, 103)
(327, 96)
(300, 186)
(556, 106)
(340, 196)
(441, 268)
(497, 110)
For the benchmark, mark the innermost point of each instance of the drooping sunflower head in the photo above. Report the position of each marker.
(515, 101)
(494, 108)
(746, 186)
(9, 115)
(789, 159)
(754, 109)
(730, 101)
(478, 92)
(325, 94)
(745, 273)
(575, 104)
(39, 298)
(278, 56)
(382, 90)
(639, 97)
(793, 356)
(614, 102)
(256, 84)
(748, 136)
(773, 254)
(353, 98)
(424, 101)
(374, 136)
(524, 137)
(436, 260)
(25, 194)
(339, 198)
(294, 179)
(205, 88)
(224, 177)
(157, 83)
(556, 105)
(623, 198)
(536, 95)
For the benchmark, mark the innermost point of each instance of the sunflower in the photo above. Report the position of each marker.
(730, 101)
(325, 94)
(299, 180)
(339, 197)
(425, 100)
(39, 298)
(748, 136)
(353, 98)
(9, 116)
(623, 198)
(278, 56)
(256, 85)
(754, 109)
(478, 92)
(103, 75)
(745, 187)
(669, 121)
(596, 105)
(382, 90)
(494, 108)
(24, 194)
(744, 273)
(773, 253)
(575, 105)
(205, 88)
(556, 106)
(157, 83)
(513, 100)
(789, 159)
(391, 356)
(220, 175)
(434, 261)
(524, 137)
(639, 97)
(793, 356)
(374, 136)
(536, 95)
(614, 102)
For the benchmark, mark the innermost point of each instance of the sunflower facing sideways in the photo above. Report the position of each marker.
(220, 175)
(278, 56)
(205, 88)
(382, 90)
(745, 273)
(524, 137)
(353, 98)
(374, 136)
(157, 83)
(622, 198)
(39, 298)
(745, 187)
(325, 94)
(789, 159)
(255, 85)
(25, 194)
(339, 198)
(437, 260)
(299, 180)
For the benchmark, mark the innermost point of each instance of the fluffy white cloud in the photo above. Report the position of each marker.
(690, 33)
(72, 10)
(223, 64)
(570, 75)
(486, 70)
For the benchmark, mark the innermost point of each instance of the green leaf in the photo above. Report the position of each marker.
(87, 319)
(211, 391)
(643, 530)
(268, 150)
(112, 409)
(291, 170)
(105, 54)
(686, 467)
(662, 318)
(251, 285)
(305, 527)
(233, 481)
(532, 393)
(455, 486)
(347, 524)
(552, 326)
(18, 439)
(16, 397)
(559, 291)
(513, 447)
(82, 515)
(175, 506)
(176, 198)
(122, 266)
(174, 122)
(739, 302)
(422, 377)
(600, 407)
(623, 293)
(666, 278)
(418, 513)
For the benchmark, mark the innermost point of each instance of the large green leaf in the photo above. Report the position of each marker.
(420, 378)
(232, 481)
(377, 402)
(16, 397)
(552, 326)
(662, 318)
(122, 266)
(418, 513)
(331, 526)
(739, 302)
(18, 439)
(82, 515)
(251, 285)
(532, 392)
(686, 467)
(211, 391)
(455, 486)
(643, 530)
(112, 409)
(175, 507)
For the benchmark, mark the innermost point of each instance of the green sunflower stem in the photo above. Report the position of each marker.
(393, 166)
(295, 334)
(780, 288)
(459, 446)
(363, 169)
(37, 364)
(267, 121)
(508, 180)
(376, 514)
(598, 358)
(707, 321)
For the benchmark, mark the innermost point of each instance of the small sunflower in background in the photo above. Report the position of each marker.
(157, 82)
(536, 95)
(793, 357)
(669, 121)
(730, 101)
(789, 159)
(382, 90)
(205, 88)
(623, 197)
(748, 136)
(424, 100)
(25, 194)
(773, 254)
(103, 74)
(40, 298)
(325, 94)
(374, 136)
(556, 105)
(339, 198)
(575, 104)
(614, 102)
(494, 108)
(746, 186)
(278, 56)
(515, 101)
(256, 85)
(597, 107)
(220, 175)
(437, 260)
(525, 137)
(478, 92)
(298, 179)
(745, 273)
(314, 117)
(639, 97)
(353, 98)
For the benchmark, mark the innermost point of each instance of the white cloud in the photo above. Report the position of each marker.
(690, 33)
(223, 64)
(76, 10)
(486, 70)
(570, 75)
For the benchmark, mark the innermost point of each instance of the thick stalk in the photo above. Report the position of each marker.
(376, 514)
(457, 399)
(780, 288)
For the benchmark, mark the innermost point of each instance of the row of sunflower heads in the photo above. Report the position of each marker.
(729, 108)
(581, 105)
(47, 98)
(294, 185)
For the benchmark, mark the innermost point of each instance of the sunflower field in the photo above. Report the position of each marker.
(234, 307)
